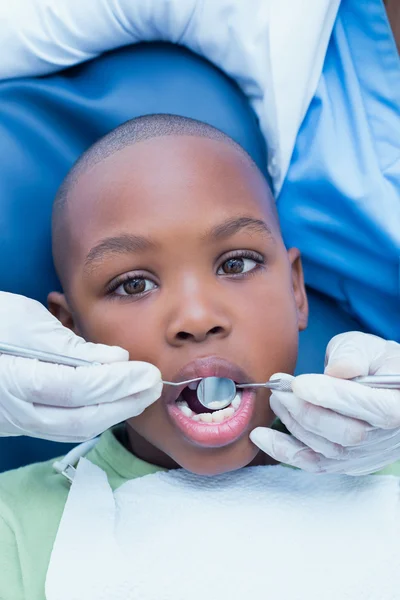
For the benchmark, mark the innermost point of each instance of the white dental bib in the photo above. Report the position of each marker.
(259, 533)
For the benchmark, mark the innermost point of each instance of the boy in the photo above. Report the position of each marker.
(167, 243)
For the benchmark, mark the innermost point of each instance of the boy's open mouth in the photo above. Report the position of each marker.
(191, 407)
(204, 426)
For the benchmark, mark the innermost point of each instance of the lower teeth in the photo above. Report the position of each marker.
(216, 417)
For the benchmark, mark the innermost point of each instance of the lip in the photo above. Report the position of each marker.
(214, 435)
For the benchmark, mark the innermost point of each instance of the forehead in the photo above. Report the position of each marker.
(162, 184)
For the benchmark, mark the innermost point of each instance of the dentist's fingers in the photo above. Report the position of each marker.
(378, 407)
(324, 422)
(315, 442)
(74, 425)
(285, 449)
(353, 354)
(376, 442)
(61, 386)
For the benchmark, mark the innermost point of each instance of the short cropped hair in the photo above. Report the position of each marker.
(131, 132)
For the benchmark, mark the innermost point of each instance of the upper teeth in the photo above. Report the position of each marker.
(193, 385)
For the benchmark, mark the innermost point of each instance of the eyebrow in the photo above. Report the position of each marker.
(237, 224)
(128, 243)
(122, 244)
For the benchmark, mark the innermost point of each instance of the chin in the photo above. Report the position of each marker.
(222, 460)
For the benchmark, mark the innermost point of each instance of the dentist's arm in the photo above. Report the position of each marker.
(339, 426)
(64, 403)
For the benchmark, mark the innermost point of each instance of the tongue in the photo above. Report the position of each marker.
(193, 402)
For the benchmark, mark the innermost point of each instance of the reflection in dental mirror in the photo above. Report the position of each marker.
(216, 393)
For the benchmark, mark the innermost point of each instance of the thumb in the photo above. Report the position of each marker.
(350, 354)
(71, 344)
(100, 352)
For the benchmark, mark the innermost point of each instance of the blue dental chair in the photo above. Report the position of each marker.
(46, 123)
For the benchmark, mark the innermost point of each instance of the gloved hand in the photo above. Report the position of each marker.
(339, 426)
(61, 403)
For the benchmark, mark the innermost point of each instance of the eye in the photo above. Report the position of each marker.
(240, 264)
(134, 286)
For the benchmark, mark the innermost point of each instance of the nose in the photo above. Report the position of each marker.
(197, 316)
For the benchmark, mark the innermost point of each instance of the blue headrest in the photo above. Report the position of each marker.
(46, 123)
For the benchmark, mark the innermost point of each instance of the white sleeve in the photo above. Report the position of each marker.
(44, 36)
(273, 49)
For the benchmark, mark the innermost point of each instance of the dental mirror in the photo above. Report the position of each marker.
(216, 393)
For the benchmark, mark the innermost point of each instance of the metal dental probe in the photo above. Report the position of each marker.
(225, 389)
(213, 393)
(217, 393)
(51, 357)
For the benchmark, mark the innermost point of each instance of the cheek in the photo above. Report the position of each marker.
(270, 320)
(118, 324)
(152, 424)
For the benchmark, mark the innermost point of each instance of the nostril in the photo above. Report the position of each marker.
(199, 335)
(183, 335)
(216, 330)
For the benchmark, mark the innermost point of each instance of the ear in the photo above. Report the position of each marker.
(58, 306)
(299, 289)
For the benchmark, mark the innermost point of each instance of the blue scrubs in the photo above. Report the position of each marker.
(341, 200)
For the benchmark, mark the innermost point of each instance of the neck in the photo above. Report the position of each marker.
(137, 445)
(141, 448)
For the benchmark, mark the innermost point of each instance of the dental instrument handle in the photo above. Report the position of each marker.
(388, 382)
(281, 385)
(391, 382)
(50, 357)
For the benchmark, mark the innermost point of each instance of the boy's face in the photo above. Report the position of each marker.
(174, 253)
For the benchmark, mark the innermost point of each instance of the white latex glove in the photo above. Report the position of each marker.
(339, 426)
(64, 403)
